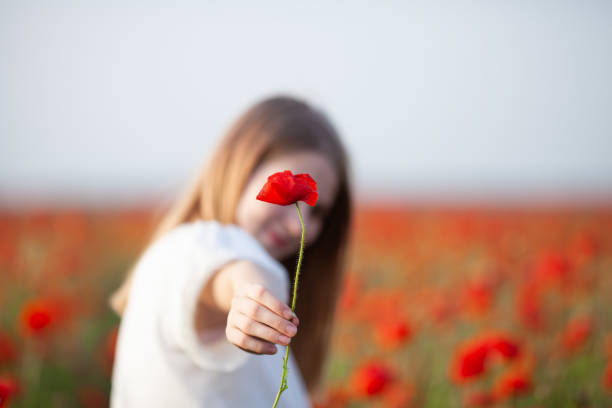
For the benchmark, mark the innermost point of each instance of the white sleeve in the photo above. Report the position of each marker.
(207, 246)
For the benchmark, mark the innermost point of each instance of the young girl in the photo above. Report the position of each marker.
(206, 303)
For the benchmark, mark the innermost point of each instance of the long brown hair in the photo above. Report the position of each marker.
(276, 126)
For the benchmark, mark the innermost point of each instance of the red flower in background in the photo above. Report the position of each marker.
(480, 399)
(371, 379)
(335, 397)
(551, 268)
(91, 397)
(505, 346)
(8, 350)
(109, 348)
(512, 384)
(607, 380)
(393, 334)
(39, 316)
(528, 307)
(576, 333)
(583, 248)
(398, 395)
(470, 360)
(284, 188)
(351, 288)
(478, 296)
(9, 387)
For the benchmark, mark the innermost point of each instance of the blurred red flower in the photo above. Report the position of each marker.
(576, 333)
(508, 348)
(607, 380)
(40, 315)
(335, 397)
(9, 387)
(469, 361)
(398, 395)
(371, 378)
(8, 350)
(551, 267)
(110, 346)
(394, 333)
(442, 308)
(513, 383)
(478, 296)
(480, 399)
(583, 247)
(8, 250)
(284, 188)
(350, 292)
(91, 397)
(528, 307)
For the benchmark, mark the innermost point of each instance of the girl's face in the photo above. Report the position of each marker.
(278, 227)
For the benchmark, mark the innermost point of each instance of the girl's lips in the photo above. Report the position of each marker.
(277, 240)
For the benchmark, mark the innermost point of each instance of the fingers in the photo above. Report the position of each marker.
(257, 319)
(263, 296)
(258, 313)
(259, 330)
(248, 343)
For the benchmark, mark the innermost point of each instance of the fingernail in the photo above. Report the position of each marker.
(288, 314)
(283, 339)
(291, 329)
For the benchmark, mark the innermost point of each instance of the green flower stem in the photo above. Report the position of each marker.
(283, 385)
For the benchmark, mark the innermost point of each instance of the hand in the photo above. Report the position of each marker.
(257, 320)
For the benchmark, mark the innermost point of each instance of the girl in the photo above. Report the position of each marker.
(206, 303)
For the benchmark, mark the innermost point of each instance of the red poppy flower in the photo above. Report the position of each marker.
(371, 379)
(39, 316)
(285, 188)
(335, 397)
(576, 334)
(478, 296)
(92, 397)
(513, 383)
(398, 395)
(469, 361)
(392, 334)
(8, 350)
(504, 345)
(110, 346)
(480, 399)
(529, 308)
(8, 388)
(551, 268)
(607, 380)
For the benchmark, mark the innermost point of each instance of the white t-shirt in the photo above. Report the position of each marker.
(162, 361)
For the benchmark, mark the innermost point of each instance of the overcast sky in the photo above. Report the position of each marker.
(120, 101)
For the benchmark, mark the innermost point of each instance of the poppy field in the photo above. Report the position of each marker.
(441, 307)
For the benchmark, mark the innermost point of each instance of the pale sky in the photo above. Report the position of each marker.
(120, 101)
